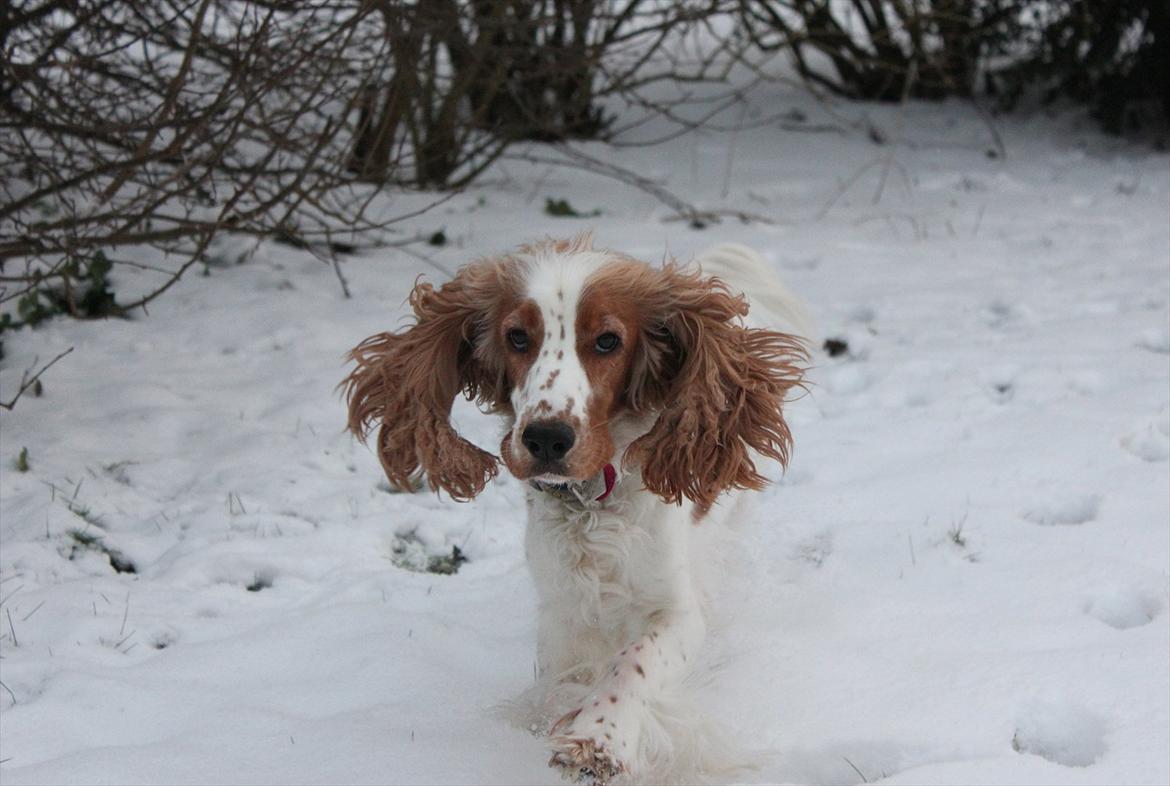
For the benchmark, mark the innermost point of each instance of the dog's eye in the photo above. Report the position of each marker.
(518, 339)
(607, 342)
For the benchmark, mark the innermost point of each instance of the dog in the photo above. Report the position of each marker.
(638, 407)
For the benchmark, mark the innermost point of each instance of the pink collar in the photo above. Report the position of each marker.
(610, 481)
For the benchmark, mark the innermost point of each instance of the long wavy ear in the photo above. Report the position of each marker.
(406, 382)
(719, 388)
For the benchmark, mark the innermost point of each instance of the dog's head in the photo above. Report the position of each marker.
(569, 343)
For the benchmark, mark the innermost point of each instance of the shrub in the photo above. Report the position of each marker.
(1111, 55)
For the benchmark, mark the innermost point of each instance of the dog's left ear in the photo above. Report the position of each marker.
(719, 387)
(405, 383)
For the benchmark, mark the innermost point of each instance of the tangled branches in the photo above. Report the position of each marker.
(162, 124)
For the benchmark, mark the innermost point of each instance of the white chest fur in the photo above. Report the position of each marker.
(602, 570)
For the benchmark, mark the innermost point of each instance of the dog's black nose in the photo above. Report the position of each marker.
(548, 440)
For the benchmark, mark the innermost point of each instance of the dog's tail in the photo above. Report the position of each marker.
(744, 270)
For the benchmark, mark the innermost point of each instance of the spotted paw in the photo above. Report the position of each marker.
(584, 761)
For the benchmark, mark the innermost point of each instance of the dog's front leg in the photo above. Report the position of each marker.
(604, 737)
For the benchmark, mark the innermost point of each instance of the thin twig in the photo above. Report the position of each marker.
(12, 628)
(729, 164)
(859, 772)
(34, 611)
(911, 78)
(125, 615)
(26, 382)
(340, 277)
(8, 597)
(446, 271)
(577, 159)
(1000, 147)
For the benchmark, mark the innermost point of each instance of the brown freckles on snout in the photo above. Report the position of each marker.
(524, 317)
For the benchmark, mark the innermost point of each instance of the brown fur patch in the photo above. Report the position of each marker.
(720, 388)
(406, 382)
(580, 242)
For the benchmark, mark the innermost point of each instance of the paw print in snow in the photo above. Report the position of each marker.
(1151, 442)
(1123, 607)
(1155, 340)
(1077, 510)
(1061, 732)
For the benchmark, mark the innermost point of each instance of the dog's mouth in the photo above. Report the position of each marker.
(553, 479)
(595, 489)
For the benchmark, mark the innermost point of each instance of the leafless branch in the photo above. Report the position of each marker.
(27, 382)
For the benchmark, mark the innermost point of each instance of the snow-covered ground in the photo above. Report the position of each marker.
(963, 578)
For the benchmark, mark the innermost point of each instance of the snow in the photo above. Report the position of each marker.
(963, 578)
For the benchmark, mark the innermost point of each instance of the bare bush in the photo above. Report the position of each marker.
(884, 51)
(462, 81)
(163, 124)
(1113, 56)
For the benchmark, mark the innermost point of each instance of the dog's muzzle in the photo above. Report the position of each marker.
(584, 492)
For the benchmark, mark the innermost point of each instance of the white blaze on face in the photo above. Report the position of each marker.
(556, 386)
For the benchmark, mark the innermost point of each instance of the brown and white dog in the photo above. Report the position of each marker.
(637, 403)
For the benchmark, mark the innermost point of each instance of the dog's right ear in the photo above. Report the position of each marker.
(719, 388)
(405, 383)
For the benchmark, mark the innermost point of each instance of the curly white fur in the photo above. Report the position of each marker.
(622, 618)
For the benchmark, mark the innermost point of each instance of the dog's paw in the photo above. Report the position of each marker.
(584, 761)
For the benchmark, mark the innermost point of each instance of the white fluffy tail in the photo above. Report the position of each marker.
(744, 270)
